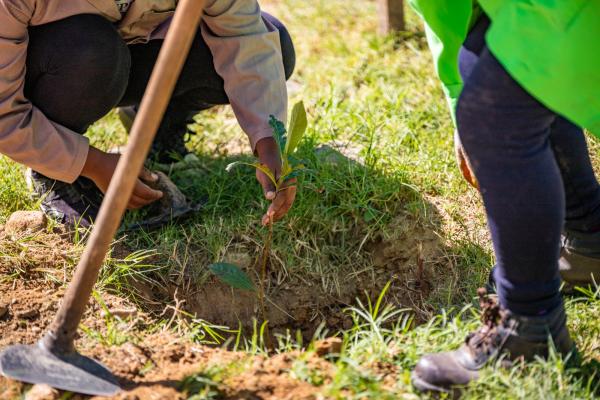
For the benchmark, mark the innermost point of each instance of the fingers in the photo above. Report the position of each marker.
(267, 185)
(135, 203)
(466, 170)
(463, 162)
(148, 176)
(281, 204)
(143, 195)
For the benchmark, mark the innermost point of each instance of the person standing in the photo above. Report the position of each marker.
(522, 79)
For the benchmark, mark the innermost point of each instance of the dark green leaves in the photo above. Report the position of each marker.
(279, 132)
(232, 275)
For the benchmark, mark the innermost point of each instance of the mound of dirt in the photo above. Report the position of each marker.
(408, 257)
(159, 366)
(154, 366)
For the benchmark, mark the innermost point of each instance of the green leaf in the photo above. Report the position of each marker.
(370, 215)
(296, 128)
(261, 167)
(279, 132)
(232, 275)
(231, 166)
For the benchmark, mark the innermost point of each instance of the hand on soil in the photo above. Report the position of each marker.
(282, 200)
(100, 167)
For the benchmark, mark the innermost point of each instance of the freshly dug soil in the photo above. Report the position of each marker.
(409, 260)
(35, 267)
(149, 367)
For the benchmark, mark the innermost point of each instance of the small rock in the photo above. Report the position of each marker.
(239, 258)
(122, 313)
(42, 392)
(328, 346)
(348, 324)
(173, 198)
(27, 314)
(26, 221)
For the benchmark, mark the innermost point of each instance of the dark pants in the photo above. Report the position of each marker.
(79, 68)
(535, 176)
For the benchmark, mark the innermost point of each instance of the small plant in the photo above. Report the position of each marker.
(287, 141)
(117, 332)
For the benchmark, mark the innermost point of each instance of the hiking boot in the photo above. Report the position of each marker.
(503, 336)
(579, 263)
(74, 205)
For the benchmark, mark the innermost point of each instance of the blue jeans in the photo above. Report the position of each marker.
(534, 173)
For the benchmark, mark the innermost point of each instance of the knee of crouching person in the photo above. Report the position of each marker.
(287, 45)
(102, 59)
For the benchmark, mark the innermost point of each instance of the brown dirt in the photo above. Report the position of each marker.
(148, 367)
(408, 257)
(35, 265)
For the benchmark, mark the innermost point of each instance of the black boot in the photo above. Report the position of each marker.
(75, 204)
(579, 263)
(169, 142)
(503, 334)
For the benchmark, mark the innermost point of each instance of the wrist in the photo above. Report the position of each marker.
(265, 146)
(93, 164)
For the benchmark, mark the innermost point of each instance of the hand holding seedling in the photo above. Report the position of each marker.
(276, 169)
(100, 167)
(281, 200)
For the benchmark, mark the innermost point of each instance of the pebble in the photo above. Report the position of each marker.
(27, 314)
(42, 392)
(327, 346)
(26, 221)
(122, 313)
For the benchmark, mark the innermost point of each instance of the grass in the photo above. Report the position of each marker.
(377, 96)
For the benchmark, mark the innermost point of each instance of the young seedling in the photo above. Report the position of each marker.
(288, 141)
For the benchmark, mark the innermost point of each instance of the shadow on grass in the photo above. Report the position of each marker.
(354, 227)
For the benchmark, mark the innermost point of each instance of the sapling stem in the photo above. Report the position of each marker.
(290, 168)
(263, 276)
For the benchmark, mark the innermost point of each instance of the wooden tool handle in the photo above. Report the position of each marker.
(166, 72)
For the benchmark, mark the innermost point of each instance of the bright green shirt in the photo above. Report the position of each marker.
(551, 47)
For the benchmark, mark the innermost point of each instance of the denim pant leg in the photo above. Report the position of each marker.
(582, 190)
(506, 134)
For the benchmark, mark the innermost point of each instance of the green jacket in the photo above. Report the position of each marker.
(551, 47)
